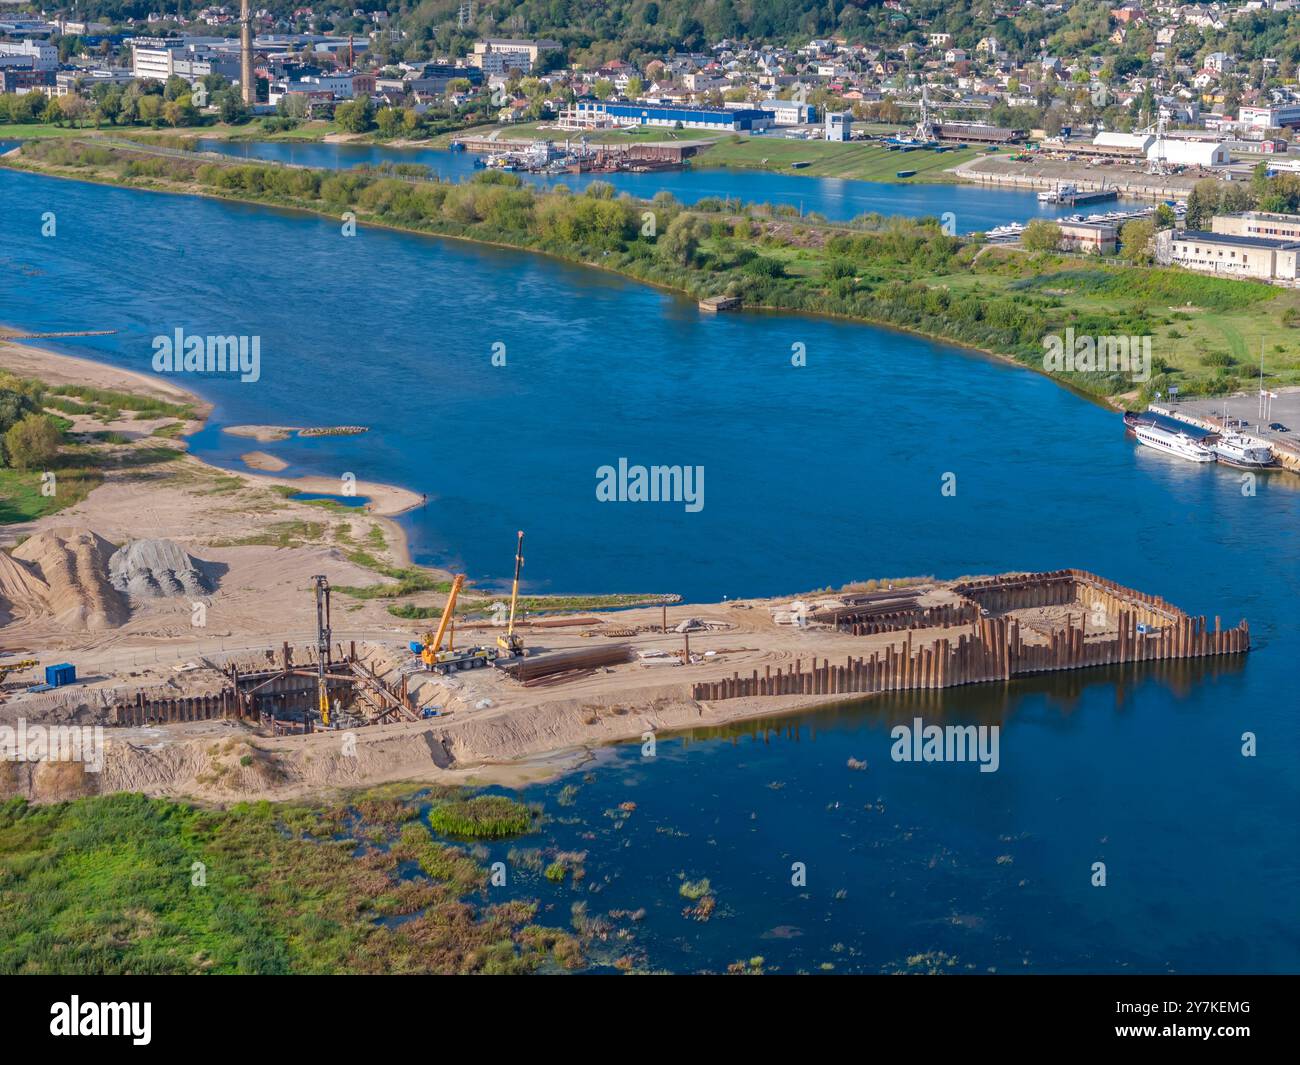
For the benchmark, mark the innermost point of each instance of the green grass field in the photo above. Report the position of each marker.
(857, 160)
(39, 131)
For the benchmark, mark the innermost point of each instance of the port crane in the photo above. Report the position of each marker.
(511, 643)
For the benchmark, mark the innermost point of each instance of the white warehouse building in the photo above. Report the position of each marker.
(1189, 152)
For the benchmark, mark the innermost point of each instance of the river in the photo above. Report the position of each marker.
(813, 476)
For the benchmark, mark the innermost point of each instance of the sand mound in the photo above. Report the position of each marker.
(22, 592)
(73, 562)
(156, 568)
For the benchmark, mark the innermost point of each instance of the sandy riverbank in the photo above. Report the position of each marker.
(264, 546)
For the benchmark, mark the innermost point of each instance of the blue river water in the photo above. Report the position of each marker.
(813, 476)
(838, 199)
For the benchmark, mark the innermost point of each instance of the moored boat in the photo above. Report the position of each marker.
(1170, 442)
(1238, 450)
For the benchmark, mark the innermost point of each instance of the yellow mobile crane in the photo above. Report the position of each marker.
(510, 643)
(449, 661)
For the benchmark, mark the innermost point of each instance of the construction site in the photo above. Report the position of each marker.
(497, 695)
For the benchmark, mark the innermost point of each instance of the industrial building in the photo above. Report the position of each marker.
(1175, 151)
(839, 126)
(41, 56)
(1099, 238)
(788, 112)
(499, 56)
(1278, 116)
(1258, 224)
(978, 133)
(594, 114)
(190, 59)
(1259, 258)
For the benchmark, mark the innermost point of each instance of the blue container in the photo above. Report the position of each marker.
(63, 673)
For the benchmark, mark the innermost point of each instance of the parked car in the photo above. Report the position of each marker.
(1278, 427)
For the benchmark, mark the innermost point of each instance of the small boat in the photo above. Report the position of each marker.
(1238, 450)
(905, 173)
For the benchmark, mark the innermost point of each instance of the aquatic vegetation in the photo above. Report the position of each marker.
(484, 817)
(556, 871)
(126, 884)
(694, 889)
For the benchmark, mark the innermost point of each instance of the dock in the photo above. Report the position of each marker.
(714, 304)
(1076, 199)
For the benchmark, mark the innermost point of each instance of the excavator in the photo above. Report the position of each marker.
(511, 643)
(430, 649)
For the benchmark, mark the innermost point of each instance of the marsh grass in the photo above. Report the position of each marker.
(484, 817)
(125, 884)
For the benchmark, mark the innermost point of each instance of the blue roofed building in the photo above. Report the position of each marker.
(598, 114)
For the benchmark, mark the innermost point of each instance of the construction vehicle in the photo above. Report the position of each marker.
(13, 667)
(510, 643)
(450, 660)
(322, 646)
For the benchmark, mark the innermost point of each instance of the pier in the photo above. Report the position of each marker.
(996, 632)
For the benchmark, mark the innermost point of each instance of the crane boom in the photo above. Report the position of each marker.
(514, 589)
(432, 647)
(510, 643)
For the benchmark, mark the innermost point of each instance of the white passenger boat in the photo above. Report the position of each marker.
(1238, 450)
(1172, 443)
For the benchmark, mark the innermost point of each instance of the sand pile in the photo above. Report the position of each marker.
(73, 562)
(151, 569)
(22, 592)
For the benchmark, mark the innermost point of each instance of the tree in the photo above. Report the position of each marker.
(1136, 239)
(355, 117)
(1041, 235)
(32, 442)
(680, 240)
(231, 107)
(389, 120)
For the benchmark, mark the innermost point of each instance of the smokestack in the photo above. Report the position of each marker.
(247, 80)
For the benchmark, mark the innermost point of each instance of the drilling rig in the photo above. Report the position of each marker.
(322, 647)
